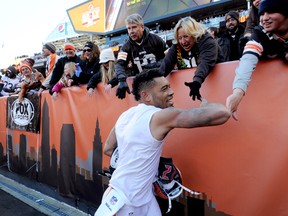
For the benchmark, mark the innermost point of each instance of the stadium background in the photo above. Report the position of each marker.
(161, 22)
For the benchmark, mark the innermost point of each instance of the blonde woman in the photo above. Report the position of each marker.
(106, 75)
(193, 46)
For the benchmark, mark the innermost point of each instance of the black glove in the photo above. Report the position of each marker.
(194, 89)
(121, 90)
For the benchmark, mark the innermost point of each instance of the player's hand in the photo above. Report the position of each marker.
(233, 101)
(194, 89)
(122, 89)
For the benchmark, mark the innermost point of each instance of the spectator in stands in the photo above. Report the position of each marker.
(213, 31)
(106, 75)
(90, 62)
(253, 20)
(66, 79)
(228, 40)
(193, 47)
(10, 81)
(268, 40)
(48, 51)
(143, 49)
(30, 62)
(32, 81)
(58, 71)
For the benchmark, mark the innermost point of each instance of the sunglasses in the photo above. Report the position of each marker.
(87, 50)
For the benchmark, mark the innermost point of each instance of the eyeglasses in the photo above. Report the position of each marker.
(87, 50)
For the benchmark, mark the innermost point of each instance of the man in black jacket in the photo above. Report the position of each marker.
(142, 49)
(229, 39)
(58, 71)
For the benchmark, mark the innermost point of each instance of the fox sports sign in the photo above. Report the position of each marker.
(22, 113)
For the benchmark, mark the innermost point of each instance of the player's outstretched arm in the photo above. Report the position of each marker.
(208, 114)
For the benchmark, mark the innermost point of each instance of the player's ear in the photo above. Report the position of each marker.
(145, 95)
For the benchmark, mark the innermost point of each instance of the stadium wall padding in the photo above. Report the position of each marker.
(240, 166)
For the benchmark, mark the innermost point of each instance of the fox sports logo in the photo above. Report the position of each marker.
(22, 113)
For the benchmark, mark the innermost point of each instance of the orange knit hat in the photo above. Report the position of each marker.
(24, 65)
(69, 46)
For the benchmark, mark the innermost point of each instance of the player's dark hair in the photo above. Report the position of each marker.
(144, 80)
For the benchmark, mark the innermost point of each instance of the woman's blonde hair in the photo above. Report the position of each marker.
(107, 75)
(70, 68)
(191, 27)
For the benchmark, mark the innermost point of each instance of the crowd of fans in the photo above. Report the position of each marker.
(195, 44)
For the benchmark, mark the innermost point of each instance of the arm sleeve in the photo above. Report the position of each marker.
(57, 87)
(113, 82)
(56, 73)
(249, 24)
(253, 50)
(122, 62)
(47, 81)
(94, 80)
(169, 61)
(208, 54)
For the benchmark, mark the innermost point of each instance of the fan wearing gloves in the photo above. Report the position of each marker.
(142, 50)
(193, 47)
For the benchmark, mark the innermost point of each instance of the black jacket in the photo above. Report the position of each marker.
(231, 49)
(272, 45)
(149, 54)
(59, 70)
(96, 78)
(88, 70)
(205, 53)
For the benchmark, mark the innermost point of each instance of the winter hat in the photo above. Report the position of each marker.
(232, 14)
(69, 46)
(273, 6)
(24, 65)
(106, 55)
(12, 69)
(50, 47)
(89, 44)
(29, 61)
